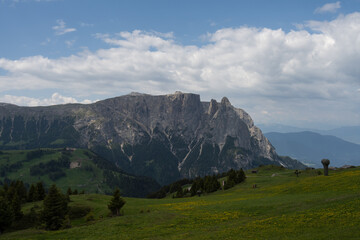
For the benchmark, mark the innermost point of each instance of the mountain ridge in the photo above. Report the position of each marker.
(161, 136)
(347, 133)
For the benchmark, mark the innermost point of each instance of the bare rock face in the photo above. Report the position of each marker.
(165, 137)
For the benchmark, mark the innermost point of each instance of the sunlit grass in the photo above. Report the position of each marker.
(281, 207)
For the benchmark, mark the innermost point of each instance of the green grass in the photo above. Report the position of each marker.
(79, 178)
(281, 207)
(76, 178)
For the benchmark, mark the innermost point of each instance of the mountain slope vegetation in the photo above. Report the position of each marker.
(78, 169)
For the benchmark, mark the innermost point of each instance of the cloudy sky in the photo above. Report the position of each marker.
(288, 62)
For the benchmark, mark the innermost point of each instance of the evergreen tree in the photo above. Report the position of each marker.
(232, 175)
(229, 183)
(69, 191)
(179, 193)
(40, 191)
(194, 188)
(32, 194)
(75, 192)
(240, 176)
(21, 191)
(16, 207)
(6, 214)
(116, 203)
(55, 209)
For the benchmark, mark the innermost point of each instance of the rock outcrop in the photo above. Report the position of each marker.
(166, 137)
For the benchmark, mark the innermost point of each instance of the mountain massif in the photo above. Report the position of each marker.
(165, 137)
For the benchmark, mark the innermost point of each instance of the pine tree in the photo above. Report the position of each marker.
(179, 193)
(40, 191)
(240, 176)
(6, 214)
(55, 209)
(116, 203)
(229, 183)
(32, 194)
(194, 188)
(21, 191)
(232, 175)
(16, 207)
(69, 191)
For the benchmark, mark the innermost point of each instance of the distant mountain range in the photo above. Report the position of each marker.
(349, 133)
(310, 147)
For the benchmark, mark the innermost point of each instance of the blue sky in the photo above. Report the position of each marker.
(27, 25)
(291, 62)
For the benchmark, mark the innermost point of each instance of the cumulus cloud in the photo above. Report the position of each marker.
(60, 28)
(55, 98)
(329, 7)
(294, 74)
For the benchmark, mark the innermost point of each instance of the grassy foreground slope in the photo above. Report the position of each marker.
(282, 206)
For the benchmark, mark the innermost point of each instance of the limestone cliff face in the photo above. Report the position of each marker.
(165, 137)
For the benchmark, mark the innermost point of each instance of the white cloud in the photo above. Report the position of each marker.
(292, 75)
(83, 24)
(60, 28)
(46, 42)
(70, 43)
(329, 7)
(56, 98)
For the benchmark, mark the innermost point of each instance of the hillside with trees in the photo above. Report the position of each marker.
(78, 169)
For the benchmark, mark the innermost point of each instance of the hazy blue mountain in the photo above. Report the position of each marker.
(280, 128)
(350, 134)
(310, 147)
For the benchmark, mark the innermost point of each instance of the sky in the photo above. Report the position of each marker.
(285, 62)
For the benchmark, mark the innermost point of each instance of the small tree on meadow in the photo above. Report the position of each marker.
(116, 203)
(55, 209)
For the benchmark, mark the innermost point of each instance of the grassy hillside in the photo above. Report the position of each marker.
(282, 206)
(77, 168)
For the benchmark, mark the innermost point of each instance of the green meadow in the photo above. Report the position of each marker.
(282, 206)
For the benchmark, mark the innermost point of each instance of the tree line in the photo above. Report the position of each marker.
(54, 213)
(199, 185)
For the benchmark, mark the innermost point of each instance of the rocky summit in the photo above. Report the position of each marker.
(165, 137)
